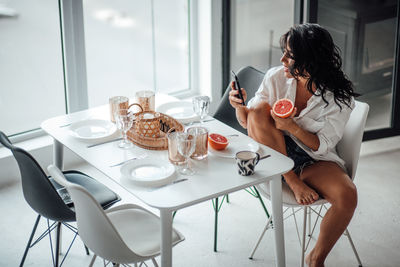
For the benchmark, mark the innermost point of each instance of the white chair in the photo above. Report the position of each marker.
(121, 235)
(348, 149)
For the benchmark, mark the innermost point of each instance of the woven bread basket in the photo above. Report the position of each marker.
(154, 143)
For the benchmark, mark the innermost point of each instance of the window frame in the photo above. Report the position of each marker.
(71, 15)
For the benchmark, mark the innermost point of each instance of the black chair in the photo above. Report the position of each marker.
(249, 79)
(47, 198)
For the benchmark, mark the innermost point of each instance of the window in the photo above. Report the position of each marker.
(31, 71)
(109, 47)
(133, 45)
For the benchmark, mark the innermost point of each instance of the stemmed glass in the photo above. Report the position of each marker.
(186, 146)
(124, 121)
(201, 105)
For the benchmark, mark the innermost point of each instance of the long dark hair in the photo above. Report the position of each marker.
(318, 59)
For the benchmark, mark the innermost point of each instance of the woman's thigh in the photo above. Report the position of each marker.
(331, 182)
(261, 127)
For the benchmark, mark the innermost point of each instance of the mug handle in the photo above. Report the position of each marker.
(257, 158)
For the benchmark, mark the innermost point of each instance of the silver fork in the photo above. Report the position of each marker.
(193, 122)
(122, 162)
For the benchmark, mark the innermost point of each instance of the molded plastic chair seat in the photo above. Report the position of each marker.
(103, 195)
(40, 192)
(288, 198)
(146, 230)
(124, 234)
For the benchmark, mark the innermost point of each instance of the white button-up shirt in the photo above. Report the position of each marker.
(326, 121)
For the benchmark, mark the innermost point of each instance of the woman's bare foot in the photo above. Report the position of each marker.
(312, 261)
(303, 193)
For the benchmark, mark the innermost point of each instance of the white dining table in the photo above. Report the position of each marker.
(215, 176)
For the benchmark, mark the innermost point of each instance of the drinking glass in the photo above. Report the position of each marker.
(173, 154)
(201, 105)
(117, 102)
(201, 136)
(124, 121)
(186, 147)
(146, 100)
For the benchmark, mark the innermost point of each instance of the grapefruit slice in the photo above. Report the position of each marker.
(283, 108)
(217, 141)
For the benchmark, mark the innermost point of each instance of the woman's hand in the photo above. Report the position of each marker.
(286, 124)
(234, 98)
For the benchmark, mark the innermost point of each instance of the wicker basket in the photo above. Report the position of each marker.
(155, 143)
(148, 124)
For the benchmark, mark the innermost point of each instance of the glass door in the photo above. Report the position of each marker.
(251, 33)
(367, 34)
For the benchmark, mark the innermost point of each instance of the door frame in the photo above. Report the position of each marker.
(394, 129)
(307, 11)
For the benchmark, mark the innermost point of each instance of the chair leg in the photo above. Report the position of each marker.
(154, 262)
(261, 237)
(303, 243)
(346, 232)
(227, 198)
(30, 241)
(216, 225)
(58, 241)
(309, 222)
(261, 201)
(87, 250)
(93, 260)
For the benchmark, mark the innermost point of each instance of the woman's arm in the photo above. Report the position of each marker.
(288, 124)
(241, 115)
(309, 139)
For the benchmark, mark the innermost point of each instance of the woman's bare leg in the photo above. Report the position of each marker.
(334, 185)
(261, 127)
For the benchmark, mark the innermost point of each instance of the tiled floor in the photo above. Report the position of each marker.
(374, 228)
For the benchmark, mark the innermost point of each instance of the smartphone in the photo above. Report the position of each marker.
(237, 86)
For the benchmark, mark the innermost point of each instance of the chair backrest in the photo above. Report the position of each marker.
(37, 188)
(349, 146)
(249, 79)
(95, 228)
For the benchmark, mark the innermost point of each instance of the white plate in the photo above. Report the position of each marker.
(92, 129)
(182, 111)
(236, 144)
(148, 172)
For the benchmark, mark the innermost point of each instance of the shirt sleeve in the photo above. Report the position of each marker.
(332, 132)
(266, 90)
(261, 94)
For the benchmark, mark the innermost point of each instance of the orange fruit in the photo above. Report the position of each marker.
(217, 141)
(283, 108)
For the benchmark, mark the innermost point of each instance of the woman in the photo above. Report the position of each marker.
(312, 78)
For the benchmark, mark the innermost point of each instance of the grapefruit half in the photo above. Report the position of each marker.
(217, 141)
(283, 108)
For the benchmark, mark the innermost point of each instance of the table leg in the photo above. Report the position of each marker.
(276, 201)
(58, 154)
(58, 160)
(166, 238)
